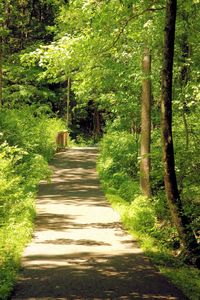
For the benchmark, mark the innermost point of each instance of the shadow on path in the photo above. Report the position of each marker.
(88, 276)
(79, 249)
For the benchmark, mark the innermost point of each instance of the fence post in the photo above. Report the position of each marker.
(62, 139)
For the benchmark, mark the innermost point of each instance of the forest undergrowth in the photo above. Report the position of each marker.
(102, 66)
(27, 145)
(149, 219)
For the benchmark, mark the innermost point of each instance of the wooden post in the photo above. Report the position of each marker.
(62, 139)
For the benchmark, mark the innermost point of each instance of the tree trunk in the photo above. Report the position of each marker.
(146, 125)
(1, 71)
(68, 101)
(96, 124)
(181, 221)
(184, 76)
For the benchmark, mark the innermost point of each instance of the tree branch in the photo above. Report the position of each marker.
(149, 9)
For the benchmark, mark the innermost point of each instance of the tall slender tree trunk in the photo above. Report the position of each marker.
(146, 125)
(181, 221)
(184, 77)
(185, 73)
(1, 71)
(68, 101)
(96, 124)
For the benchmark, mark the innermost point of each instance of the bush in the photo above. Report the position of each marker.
(118, 164)
(141, 215)
(150, 219)
(118, 169)
(30, 130)
(27, 143)
(119, 154)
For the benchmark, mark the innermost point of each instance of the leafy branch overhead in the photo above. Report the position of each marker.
(120, 74)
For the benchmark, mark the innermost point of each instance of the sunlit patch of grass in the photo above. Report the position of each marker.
(118, 203)
(148, 220)
(185, 277)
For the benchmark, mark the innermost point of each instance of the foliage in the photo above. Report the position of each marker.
(27, 143)
(23, 85)
(31, 129)
(118, 162)
(99, 45)
(118, 169)
(141, 215)
(14, 235)
(148, 219)
(184, 277)
(25, 25)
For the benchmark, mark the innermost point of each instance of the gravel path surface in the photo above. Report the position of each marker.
(79, 249)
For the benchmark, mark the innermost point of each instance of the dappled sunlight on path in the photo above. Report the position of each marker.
(79, 249)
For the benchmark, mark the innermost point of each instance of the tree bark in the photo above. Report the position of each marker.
(96, 124)
(68, 101)
(1, 71)
(146, 125)
(184, 77)
(181, 221)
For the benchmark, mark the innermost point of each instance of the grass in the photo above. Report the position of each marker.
(184, 277)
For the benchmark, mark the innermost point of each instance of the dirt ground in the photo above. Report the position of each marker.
(79, 249)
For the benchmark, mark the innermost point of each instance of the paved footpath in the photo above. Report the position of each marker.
(79, 249)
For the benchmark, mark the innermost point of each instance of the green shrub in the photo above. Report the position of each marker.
(141, 215)
(119, 154)
(188, 164)
(27, 143)
(118, 164)
(150, 219)
(117, 160)
(30, 130)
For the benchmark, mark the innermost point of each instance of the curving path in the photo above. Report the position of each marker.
(79, 249)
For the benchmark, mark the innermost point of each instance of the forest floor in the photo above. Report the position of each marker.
(79, 249)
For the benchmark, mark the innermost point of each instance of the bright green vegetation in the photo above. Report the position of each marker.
(147, 219)
(27, 144)
(85, 61)
(135, 219)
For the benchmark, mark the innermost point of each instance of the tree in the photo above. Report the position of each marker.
(146, 125)
(68, 101)
(1, 71)
(2, 33)
(23, 26)
(188, 240)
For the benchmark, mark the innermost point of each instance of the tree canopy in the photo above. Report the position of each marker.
(125, 73)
